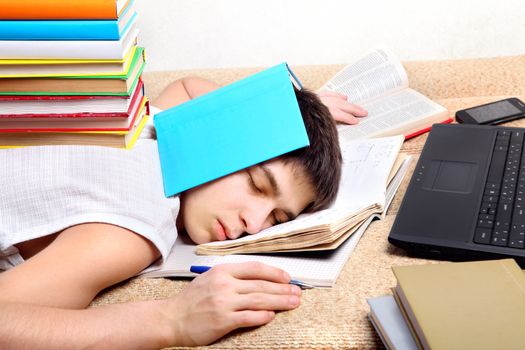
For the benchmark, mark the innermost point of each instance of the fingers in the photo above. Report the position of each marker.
(353, 109)
(347, 113)
(263, 301)
(344, 117)
(255, 271)
(245, 287)
(250, 318)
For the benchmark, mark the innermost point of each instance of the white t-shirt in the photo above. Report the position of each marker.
(49, 188)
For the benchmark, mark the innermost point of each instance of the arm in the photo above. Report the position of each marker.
(42, 300)
(183, 90)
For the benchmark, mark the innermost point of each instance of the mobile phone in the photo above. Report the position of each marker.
(492, 113)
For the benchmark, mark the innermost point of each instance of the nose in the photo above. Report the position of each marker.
(256, 217)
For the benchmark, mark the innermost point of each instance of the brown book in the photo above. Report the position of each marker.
(467, 305)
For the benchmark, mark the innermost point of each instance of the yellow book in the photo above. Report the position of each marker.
(467, 305)
(40, 68)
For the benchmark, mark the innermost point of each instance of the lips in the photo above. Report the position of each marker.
(220, 231)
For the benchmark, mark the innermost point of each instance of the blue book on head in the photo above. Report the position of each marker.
(250, 121)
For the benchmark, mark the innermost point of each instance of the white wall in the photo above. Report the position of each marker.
(186, 34)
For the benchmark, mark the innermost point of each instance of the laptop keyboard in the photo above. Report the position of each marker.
(501, 219)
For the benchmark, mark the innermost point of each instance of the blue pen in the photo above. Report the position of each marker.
(201, 269)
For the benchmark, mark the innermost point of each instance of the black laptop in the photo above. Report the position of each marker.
(466, 198)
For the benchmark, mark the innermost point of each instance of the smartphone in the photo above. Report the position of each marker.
(492, 113)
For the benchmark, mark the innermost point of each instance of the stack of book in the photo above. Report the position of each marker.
(70, 73)
(467, 305)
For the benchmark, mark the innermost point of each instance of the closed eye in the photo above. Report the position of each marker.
(252, 184)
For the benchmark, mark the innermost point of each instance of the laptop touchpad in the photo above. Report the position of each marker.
(450, 176)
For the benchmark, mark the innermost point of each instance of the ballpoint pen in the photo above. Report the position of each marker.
(201, 269)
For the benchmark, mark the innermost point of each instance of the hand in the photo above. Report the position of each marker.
(230, 296)
(341, 110)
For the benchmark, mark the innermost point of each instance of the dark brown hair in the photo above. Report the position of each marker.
(321, 161)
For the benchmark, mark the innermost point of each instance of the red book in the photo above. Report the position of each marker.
(17, 108)
(25, 125)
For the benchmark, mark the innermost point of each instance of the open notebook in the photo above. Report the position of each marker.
(369, 165)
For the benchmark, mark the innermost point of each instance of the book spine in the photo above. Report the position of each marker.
(58, 9)
(59, 30)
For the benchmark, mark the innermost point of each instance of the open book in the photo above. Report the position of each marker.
(372, 173)
(379, 83)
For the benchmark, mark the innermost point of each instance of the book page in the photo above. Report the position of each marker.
(374, 75)
(366, 167)
(399, 110)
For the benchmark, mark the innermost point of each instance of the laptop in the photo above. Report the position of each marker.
(466, 197)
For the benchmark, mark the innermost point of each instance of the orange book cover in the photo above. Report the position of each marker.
(62, 9)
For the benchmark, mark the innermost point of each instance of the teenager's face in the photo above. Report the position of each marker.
(246, 201)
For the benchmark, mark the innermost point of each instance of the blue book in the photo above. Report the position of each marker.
(229, 129)
(69, 29)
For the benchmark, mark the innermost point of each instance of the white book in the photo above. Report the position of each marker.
(74, 49)
(379, 83)
(365, 165)
(390, 324)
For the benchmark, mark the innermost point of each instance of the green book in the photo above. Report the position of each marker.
(111, 85)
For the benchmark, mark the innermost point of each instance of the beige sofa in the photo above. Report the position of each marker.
(337, 318)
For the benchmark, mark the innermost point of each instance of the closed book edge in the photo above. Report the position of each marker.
(390, 324)
(407, 319)
(70, 49)
(104, 85)
(68, 68)
(32, 108)
(62, 9)
(116, 139)
(452, 305)
(76, 124)
(67, 29)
